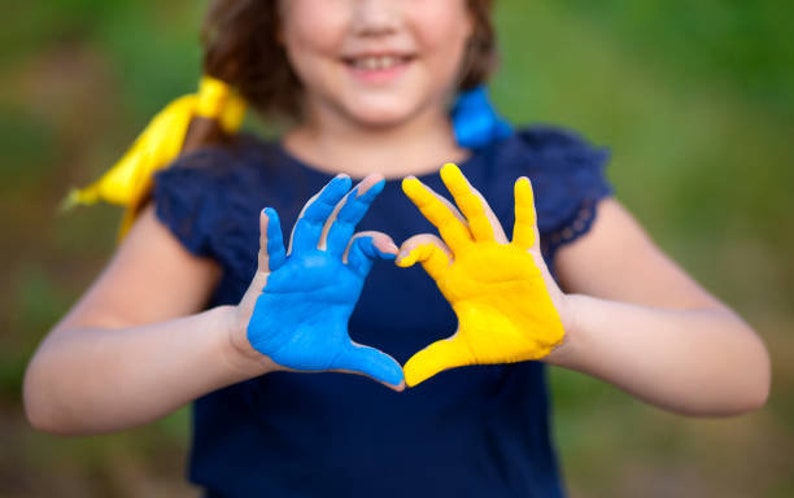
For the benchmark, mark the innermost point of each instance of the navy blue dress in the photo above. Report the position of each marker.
(468, 432)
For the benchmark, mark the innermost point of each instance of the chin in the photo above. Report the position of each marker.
(381, 116)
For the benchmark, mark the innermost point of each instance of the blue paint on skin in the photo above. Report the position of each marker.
(300, 319)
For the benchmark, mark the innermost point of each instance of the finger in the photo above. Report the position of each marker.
(342, 225)
(309, 227)
(271, 255)
(370, 362)
(437, 357)
(524, 228)
(470, 202)
(271, 241)
(452, 229)
(366, 248)
(428, 250)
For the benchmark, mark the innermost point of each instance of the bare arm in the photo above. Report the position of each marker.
(631, 316)
(123, 356)
(636, 320)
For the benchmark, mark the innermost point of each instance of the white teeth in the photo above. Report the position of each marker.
(374, 63)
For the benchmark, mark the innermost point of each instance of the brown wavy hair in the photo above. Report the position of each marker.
(241, 47)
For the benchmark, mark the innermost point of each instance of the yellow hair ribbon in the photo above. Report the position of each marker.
(129, 181)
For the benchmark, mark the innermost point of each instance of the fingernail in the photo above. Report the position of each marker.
(404, 259)
(411, 185)
(389, 252)
(375, 189)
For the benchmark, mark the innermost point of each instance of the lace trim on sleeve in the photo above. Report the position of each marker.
(577, 226)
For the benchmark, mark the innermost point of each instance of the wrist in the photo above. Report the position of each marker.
(238, 353)
(565, 353)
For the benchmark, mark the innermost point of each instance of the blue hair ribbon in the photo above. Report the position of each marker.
(475, 121)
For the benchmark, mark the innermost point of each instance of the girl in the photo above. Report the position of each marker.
(187, 312)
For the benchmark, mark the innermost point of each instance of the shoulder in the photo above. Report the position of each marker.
(217, 175)
(564, 167)
(553, 149)
(239, 158)
(568, 175)
(204, 190)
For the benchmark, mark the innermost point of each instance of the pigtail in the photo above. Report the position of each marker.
(218, 114)
(480, 59)
(210, 116)
(475, 121)
(220, 63)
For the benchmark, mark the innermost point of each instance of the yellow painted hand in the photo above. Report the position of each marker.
(498, 292)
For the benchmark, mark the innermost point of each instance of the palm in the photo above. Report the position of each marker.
(503, 314)
(498, 292)
(301, 315)
(315, 294)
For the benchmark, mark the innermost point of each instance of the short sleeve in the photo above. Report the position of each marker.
(568, 176)
(211, 200)
(188, 201)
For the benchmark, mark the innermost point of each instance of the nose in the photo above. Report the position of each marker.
(376, 17)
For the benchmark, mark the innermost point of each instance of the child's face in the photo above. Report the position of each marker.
(376, 63)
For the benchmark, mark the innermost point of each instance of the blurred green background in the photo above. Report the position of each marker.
(694, 99)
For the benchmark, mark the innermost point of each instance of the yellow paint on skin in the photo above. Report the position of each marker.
(505, 314)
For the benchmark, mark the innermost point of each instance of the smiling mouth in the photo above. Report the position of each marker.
(376, 62)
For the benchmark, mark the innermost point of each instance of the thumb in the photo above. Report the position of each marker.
(439, 356)
(367, 247)
(271, 243)
(370, 362)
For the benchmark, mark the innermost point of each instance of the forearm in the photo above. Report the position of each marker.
(704, 362)
(93, 380)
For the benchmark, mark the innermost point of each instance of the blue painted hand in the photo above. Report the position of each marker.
(301, 315)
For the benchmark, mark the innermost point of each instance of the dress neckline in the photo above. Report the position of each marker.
(293, 161)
